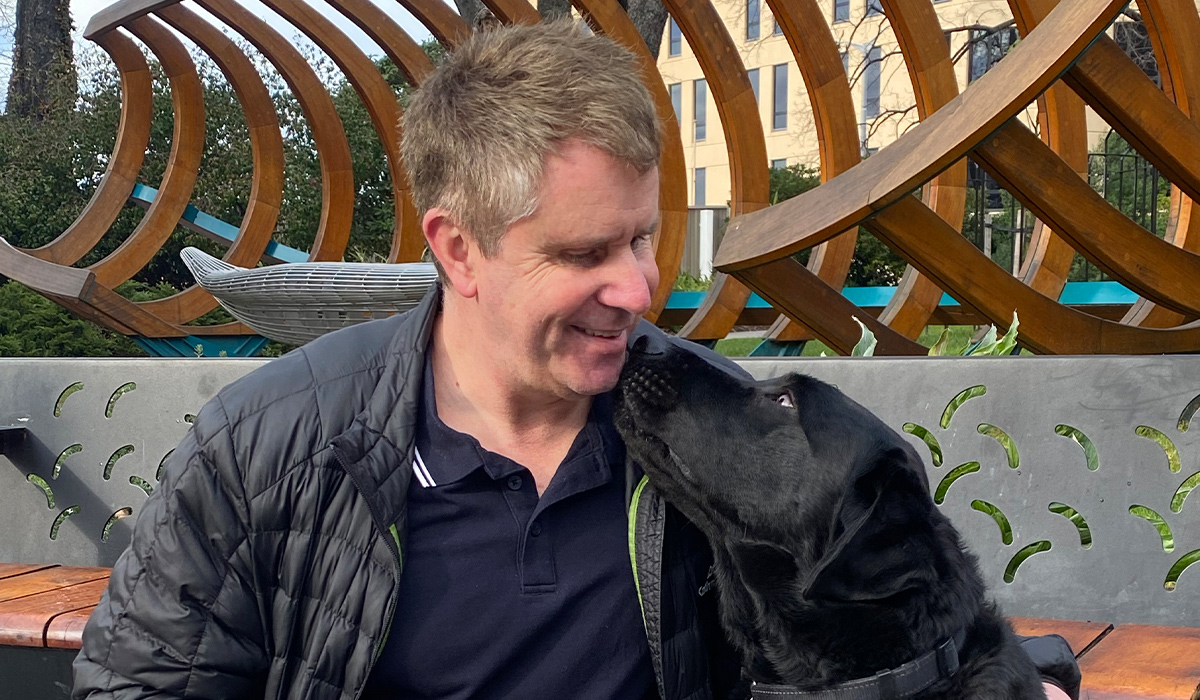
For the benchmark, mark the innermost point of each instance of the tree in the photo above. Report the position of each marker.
(43, 67)
(649, 17)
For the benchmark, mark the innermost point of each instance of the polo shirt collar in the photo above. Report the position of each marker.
(448, 456)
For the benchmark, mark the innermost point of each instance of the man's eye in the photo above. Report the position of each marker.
(590, 257)
(642, 242)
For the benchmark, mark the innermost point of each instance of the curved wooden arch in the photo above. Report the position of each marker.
(395, 42)
(441, 21)
(183, 163)
(750, 179)
(931, 72)
(382, 106)
(133, 136)
(337, 174)
(1174, 33)
(607, 17)
(266, 146)
(945, 137)
(973, 279)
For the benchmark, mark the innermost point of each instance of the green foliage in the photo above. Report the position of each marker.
(988, 344)
(690, 283)
(33, 326)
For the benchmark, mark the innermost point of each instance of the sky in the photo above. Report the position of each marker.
(82, 11)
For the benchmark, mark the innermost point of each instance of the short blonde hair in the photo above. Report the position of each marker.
(479, 129)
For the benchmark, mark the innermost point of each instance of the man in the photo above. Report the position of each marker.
(467, 444)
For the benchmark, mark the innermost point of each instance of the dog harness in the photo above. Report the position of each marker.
(897, 683)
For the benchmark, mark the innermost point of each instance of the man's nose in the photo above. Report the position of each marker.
(628, 286)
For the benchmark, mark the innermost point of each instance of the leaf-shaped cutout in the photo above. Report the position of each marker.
(1090, 453)
(998, 515)
(141, 484)
(1077, 519)
(939, 494)
(1182, 492)
(959, 399)
(189, 418)
(62, 397)
(935, 448)
(112, 400)
(1185, 418)
(112, 459)
(41, 484)
(62, 457)
(1176, 569)
(112, 520)
(62, 518)
(162, 464)
(1010, 447)
(1173, 461)
(1010, 571)
(1152, 517)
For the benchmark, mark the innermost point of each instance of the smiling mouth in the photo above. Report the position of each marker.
(595, 333)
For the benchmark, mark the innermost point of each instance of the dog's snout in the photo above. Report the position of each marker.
(650, 386)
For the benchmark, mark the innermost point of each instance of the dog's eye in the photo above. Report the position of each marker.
(785, 399)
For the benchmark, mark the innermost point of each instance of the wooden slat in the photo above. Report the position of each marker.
(1143, 661)
(721, 63)
(1034, 174)
(329, 136)
(266, 146)
(1080, 635)
(133, 135)
(441, 21)
(9, 570)
(183, 163)
(381, 105)
(65, 631)
(49, 579)
(927, 149)
(1046, 326)
(23, 621)
(607, 17)
(413, 62)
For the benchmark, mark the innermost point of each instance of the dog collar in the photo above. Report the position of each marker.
(893, 684)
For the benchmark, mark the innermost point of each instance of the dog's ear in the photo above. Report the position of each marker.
(881, 542)
(768, 569)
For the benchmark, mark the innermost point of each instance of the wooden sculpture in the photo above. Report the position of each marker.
(1063, 62)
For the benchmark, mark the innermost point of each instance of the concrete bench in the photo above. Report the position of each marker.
(1069, 477)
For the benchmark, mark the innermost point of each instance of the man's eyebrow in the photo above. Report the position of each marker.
(601, 240)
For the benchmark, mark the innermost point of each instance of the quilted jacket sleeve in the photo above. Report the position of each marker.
(180, 617)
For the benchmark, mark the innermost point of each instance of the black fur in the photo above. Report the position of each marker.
(832, 562)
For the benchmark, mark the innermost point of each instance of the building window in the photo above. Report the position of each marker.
(698, 187)
(676, 90)
(699, 108)
(874, 8)
(846, 62)
(841, 10)
(779, 104)
(778, 30)
(870, 103)
(753, 18)
(778, 163)
(752, 74)
(988, 46)
(674, 38)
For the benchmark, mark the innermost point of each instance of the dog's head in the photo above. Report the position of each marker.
(804, 495)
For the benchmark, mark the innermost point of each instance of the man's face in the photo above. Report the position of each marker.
(569, 283)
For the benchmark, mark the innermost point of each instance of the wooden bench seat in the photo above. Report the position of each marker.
(45, 605)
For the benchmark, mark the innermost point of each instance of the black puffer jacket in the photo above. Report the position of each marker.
(267, 563)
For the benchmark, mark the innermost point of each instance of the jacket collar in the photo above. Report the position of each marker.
(376, 450)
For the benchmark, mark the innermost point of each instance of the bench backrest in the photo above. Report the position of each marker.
(1069, 477)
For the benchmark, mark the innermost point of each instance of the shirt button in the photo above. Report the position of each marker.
(514, 482)
(536, 529)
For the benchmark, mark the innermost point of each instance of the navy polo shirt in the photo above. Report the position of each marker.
(506, 594)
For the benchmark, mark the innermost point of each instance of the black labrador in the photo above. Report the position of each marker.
(832, 562)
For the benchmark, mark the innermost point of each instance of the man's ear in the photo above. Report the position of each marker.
(454, 247)
(882, 541)
(767, 569)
